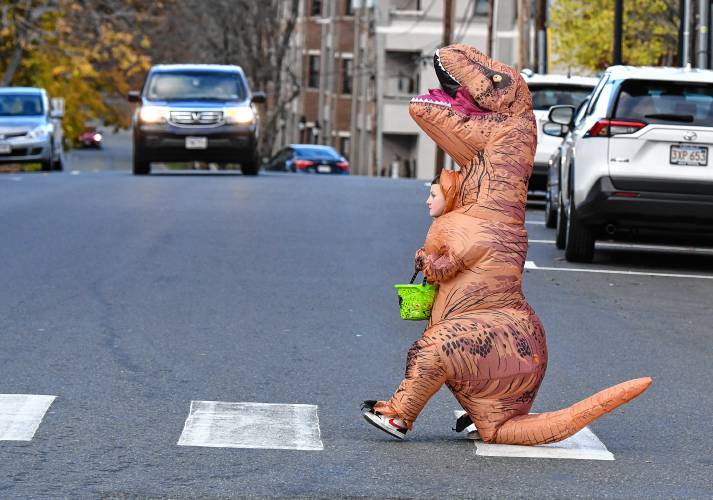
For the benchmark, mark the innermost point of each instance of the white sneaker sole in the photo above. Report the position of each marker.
(376, 422)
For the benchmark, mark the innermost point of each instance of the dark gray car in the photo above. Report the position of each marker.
(197, 112)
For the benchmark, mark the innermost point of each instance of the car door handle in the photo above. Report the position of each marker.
(620, 160)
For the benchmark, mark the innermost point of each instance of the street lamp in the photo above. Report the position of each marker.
(301, 127)
(315, 132)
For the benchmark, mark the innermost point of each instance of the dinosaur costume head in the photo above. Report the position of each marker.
(482, 103)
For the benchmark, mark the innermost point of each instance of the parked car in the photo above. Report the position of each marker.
(634, 163)
(307, 158)
(550, 90)
(30, 132)
(197, 112)
(90, 138)
(553, 172)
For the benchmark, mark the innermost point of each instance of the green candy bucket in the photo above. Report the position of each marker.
(416, 301)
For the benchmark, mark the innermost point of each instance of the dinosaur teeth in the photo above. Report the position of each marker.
(430, 101)
(438, 58)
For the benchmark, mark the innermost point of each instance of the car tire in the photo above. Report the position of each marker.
(560, 224)
(550, 211)
(58, 164)
(46, 165)
(251, 166)
(579, 246)
(141, 166)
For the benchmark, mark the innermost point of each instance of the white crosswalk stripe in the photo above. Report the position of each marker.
(21, 415)
(252, 425)
(584, 445)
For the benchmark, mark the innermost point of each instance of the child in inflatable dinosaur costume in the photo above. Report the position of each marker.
(483, 340)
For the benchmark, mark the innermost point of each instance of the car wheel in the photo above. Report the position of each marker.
(251, 166)
(47, 164)
(550, 211)
(561, 224)
(141, 166)
(579, 246)
(58, 164)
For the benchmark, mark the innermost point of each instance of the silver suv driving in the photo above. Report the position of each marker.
(29, 131)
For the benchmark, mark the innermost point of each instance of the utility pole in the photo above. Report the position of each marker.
(326, 78)
(703, 14)
(618, 15)
(356, 71)
(447, 40)
(541, 49)
(364, 160)
(685, 32)
(523, 17)
(491, 17)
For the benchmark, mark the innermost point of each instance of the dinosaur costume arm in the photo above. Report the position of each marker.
(436, 267)
(449, 249)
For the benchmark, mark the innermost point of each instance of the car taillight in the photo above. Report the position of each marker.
(608, 128)
(343, 165)
(303, 163)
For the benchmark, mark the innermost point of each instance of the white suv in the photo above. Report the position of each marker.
(547, 91)
(634, 163)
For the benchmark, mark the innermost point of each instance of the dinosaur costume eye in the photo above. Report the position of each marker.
(497, 78)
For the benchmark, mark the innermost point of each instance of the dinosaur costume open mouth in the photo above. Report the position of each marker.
(451, 95)
(463, 103)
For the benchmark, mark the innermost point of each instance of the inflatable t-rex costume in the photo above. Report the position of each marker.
(483, 339)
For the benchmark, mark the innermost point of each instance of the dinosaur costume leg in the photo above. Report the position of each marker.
(425, 375)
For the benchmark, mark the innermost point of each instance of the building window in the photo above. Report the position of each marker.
(344, 147)
(348, 7)
(347, 76)
(313, 77)
(480, 8)
(316, 7)
(408, 4)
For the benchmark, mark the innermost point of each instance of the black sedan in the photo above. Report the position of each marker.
(308, 158)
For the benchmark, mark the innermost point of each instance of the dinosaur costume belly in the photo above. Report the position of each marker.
(483, 339)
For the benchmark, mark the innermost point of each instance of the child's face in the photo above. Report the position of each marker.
(436, 201)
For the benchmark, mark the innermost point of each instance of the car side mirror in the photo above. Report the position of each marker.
(259, 97)
(134, 96)
(57, 113)
(555, 129)
(562, 114)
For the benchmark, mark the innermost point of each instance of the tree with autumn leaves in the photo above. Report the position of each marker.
(582, 32)
(89, 52)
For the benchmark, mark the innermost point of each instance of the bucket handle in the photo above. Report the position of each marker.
(413, 278)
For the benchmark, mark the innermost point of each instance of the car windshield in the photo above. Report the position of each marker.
(20, 105)
(666, 102)
(195, 86)
(545, 96)
(316, 153)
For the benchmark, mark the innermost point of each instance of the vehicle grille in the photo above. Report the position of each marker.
(8, 135)
(206, 118)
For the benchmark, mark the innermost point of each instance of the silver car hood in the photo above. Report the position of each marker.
(17, 124)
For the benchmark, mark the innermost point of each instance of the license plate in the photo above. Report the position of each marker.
(696, 156)
(196, 142)
(5, 148)
(324, 169)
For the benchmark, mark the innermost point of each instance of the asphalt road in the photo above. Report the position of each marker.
(129, 297)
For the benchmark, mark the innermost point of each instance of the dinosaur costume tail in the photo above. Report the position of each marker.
(543, 428)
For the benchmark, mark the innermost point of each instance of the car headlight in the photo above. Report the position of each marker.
(239, 115)
(153, 114)
(37, 133)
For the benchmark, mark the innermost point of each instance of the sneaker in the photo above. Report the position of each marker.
(393, 425)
